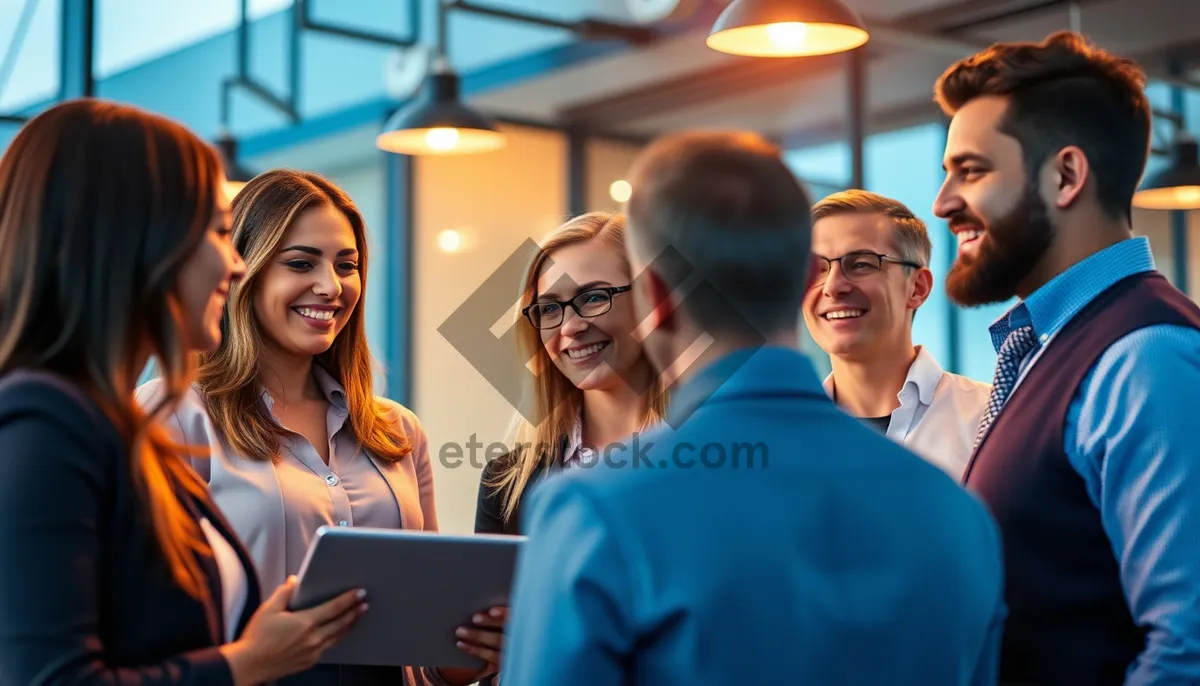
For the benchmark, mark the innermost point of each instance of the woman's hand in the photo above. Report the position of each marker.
(484, 639)
(277, 643)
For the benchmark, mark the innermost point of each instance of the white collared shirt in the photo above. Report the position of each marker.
(939, 413)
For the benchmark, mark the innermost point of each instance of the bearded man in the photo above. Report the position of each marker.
(1085, 455)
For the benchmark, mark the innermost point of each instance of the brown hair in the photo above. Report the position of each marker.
(101, 205)
(724, 208)
(910, 238)
(1064, 91)
(557, 399)
(230, 376)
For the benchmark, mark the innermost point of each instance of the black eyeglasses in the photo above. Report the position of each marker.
(591, 303)
(858, 265)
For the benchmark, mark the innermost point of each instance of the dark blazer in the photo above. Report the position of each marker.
(85, 594)
(489, 509)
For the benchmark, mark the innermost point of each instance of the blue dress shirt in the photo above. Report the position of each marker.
(769, 538)
(1129, 434)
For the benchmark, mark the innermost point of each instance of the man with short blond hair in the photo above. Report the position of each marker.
(872, 258)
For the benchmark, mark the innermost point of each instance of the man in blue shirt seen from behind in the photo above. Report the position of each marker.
(1087, 455)
(762, 535)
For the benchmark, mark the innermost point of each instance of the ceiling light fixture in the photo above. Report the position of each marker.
(786, 28)
(439, 123)
(1177, 187)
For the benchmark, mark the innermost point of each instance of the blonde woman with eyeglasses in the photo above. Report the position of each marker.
(593, 387)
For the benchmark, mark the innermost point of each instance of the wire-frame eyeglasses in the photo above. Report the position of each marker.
(857, 265)
(548, 314)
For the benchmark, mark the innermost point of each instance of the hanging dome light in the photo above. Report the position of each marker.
(1178, 186)
(786, 28)
(439, 124)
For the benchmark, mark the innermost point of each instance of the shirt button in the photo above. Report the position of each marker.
(332, 480)
(343, 523)
(1044, 337)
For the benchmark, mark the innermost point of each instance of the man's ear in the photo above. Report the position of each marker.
(1070, 171)
(653, 303)
(922, 287)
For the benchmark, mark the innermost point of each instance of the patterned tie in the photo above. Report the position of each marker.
(1008, 366)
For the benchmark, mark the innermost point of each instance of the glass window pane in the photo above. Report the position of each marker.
(906, 165)
(29, 38)
(131, 32)
(827, 164)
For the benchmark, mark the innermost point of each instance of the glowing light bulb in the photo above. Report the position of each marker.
(449, 240)
(441, 139)
(620, 190)
(788, 36)
(1188, 195)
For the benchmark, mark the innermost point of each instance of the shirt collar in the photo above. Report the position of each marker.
(1050, 307)
(924, 374)
(769, 369)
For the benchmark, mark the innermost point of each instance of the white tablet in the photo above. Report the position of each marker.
(421, 586)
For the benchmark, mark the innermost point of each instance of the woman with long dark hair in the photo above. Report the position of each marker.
(117, 566)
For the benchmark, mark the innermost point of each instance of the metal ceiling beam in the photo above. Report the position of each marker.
(998, 15)
(586, 28)
(695, 88)
(77, 50)
(303, 10)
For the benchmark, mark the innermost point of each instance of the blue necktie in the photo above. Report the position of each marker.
(1008, 367)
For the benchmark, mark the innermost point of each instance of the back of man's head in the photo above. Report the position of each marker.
(722, 209)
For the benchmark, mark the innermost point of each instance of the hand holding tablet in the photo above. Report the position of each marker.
(423, 588)
(483, 639)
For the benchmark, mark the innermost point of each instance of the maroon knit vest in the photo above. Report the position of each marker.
(1068, 620)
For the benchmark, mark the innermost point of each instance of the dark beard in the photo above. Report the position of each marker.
(1008, 251)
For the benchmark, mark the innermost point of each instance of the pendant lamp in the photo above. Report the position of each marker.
(439, 123)
(1178, 186)
(786, 28)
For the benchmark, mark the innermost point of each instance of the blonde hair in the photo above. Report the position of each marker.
(230, 376)
(911, 238)
(556, 399)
